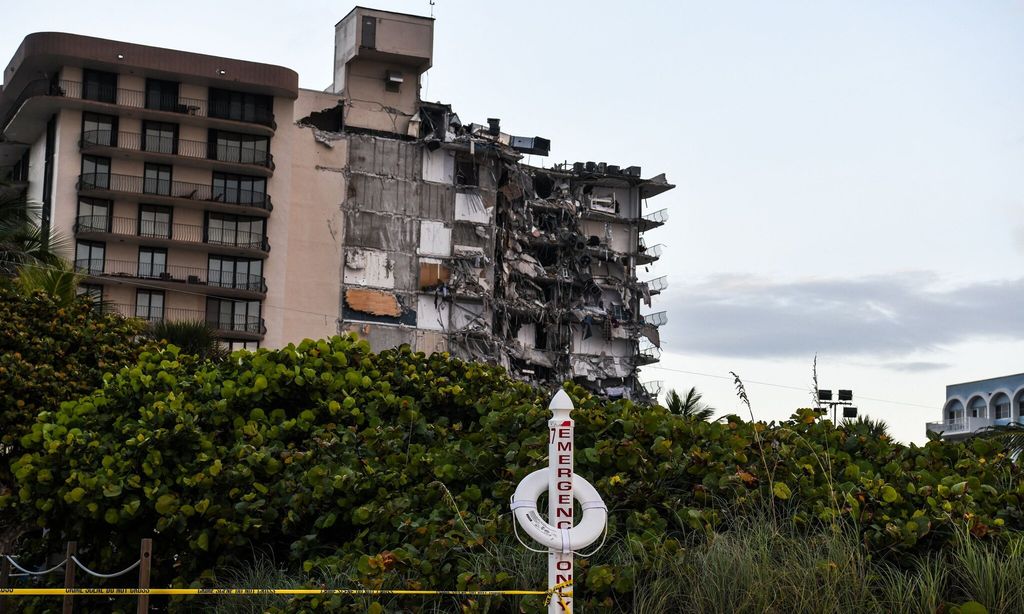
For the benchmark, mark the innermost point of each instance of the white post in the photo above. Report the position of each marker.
(560, 501)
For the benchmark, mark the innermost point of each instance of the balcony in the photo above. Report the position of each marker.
(653, 388)
(647, 255)
(164, 234)
(248, 327)
(657, 285)
(656, 319)
(653, 220)
(169, 150)
(166, 192)
(171, 277)
(961, 427)
(42, 97)
(647, 353)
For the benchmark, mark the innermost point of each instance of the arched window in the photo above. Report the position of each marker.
(1000, 406)
(976, 408)
(954, 410)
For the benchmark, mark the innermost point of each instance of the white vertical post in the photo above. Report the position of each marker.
(560, 496)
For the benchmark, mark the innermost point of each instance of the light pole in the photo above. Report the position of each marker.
(844, 400)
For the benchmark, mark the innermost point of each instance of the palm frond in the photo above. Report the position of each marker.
(193, 337)
(690, 405)
(1010, 435)
(58, 280)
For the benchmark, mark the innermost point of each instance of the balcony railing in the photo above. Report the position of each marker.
(656, 319)
(648, 352)
(657, 284)
(653, 220)
(653, 388)
(133, 141)
(959, 426)
(252, 325)
(187, 233)
(651, 253)
(134, 184)
(137, 99)
(171, 273)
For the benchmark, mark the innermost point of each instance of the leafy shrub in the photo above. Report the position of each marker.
(50, 353)
(398, 467)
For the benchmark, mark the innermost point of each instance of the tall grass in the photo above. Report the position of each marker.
(758, 565)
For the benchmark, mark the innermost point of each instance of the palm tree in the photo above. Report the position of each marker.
(22, 240)
(690, 406)
(1010, 435)
(862, 425)
(194, 337)
(58, 280)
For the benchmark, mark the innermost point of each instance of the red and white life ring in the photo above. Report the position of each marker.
(595, 513)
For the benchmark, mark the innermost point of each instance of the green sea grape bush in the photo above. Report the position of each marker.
(49, 353)
(398, 466)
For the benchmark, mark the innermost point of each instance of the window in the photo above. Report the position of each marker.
(234, 147)
(100, 86)
(93, 291)
(93, 215)
(234, 230)
(99, 129)
(96, 172)
(240, 106)
(162, 95)
(239, 189)
(149, 304)
(465, 171)
(369, 39)
(89, 256)
(241, 273)
(160, 137)
(157, 180)
(234, 346)
(154, 221)
(1003, 410)
(152, 262)
(227, 315)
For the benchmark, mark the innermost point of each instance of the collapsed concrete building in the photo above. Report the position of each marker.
(391, 217)
(453, 244)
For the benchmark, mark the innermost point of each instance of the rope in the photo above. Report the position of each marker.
(105, 575)
(604, 536)
(33, 573)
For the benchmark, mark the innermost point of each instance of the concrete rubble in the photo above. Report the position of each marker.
(453, 244)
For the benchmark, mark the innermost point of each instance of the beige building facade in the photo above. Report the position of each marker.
(201, 188)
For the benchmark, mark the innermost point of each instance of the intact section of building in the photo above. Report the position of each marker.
(206, 188)
(974, 406)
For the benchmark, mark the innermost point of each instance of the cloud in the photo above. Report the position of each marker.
(894, 315)
(916, 366)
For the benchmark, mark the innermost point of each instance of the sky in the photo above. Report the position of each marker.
(850, 175)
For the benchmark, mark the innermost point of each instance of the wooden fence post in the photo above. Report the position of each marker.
(5, 578)
(145, 558)
(69, 577)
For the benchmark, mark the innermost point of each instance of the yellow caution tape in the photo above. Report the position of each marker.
(255, 591)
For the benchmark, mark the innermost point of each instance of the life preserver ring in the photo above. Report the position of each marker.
(595, 513)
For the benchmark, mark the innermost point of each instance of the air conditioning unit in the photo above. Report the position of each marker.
(393, 80)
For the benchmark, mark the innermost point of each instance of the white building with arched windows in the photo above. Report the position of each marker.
(972, 406)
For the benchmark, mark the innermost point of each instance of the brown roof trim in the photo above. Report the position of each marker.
(366, 8)
(41, 53)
